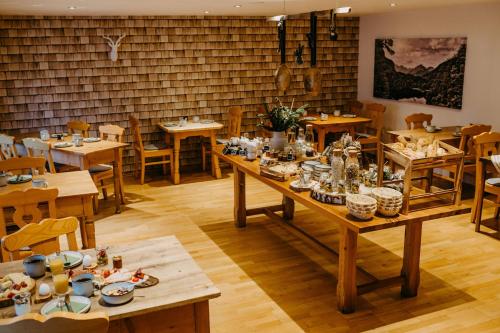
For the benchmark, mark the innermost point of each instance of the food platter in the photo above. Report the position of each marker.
(13, 284)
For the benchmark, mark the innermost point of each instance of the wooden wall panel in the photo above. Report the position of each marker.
(53, 69)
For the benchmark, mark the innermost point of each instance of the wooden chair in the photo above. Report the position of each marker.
(101, 172)
(417, 120)
(7, 147)
(26, 207)
(233, 130)
(371, 135)
(59, 322)
(355, 107)
(77, 126)
(486, 144)
(151, 151)
(37, 148)
(19, 165)
(41, 237)
(467, 146)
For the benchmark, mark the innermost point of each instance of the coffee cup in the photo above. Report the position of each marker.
(39, 183)
(35, 266)
(196, 119)
(83, 285)
(324, 116)
(431, 128)
(336, 113)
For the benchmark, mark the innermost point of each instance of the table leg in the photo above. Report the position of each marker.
(177, 150)
(215, 159)
(201, 317)
(321, 139)
(288, 208)
(346, 285)
(240, 211)
(88, 229)
(120, 172)
(117, 182)
(411, 259)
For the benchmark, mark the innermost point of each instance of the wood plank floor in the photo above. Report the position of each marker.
(272, 281)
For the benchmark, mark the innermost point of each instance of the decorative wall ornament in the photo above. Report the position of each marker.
(113, 53)
(298, 54)
(421, 70)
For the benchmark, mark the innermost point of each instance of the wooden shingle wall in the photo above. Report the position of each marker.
(54, 69)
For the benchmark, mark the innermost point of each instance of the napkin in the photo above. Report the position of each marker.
(495, 159)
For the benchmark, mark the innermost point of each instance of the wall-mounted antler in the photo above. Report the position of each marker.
(113, 53)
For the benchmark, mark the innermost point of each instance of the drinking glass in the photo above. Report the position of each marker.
(22, 303)
(56, 264)
(44, 135)
(60, 288)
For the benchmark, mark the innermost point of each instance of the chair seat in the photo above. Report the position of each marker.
(155, 146)
(100, 168)
(493, 182)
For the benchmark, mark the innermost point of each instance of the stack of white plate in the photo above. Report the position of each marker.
(319, 169)
(389, 201)
(361, 206)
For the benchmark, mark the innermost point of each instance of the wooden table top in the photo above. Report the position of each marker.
(339, 213)
(70, 184)
(447, 133)
(191, 127)
(332, 120)
(182, 281)
(88, 147)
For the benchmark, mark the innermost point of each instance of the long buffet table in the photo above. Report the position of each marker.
(350, 228)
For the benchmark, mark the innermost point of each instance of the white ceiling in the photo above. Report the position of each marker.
(214, 7)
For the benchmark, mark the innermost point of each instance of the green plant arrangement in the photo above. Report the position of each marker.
(280, 117)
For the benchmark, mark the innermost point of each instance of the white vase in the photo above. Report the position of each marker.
(278, 141)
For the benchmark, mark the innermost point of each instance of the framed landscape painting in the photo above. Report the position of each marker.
(421, 70)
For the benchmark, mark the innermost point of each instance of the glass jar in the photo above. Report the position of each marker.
(309, 136)
(352, 172)
(337, 169)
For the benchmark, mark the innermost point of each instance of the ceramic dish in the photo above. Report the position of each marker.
(206, 121)
(361, 200)
(55, 135)
(169, 124)
(117, 293)
(91, 139)
(79, 304)
(362, 215)
(63, 144)
(19, 179)
(386, 193)
(349, 115)
(71, 259)
(309, 118)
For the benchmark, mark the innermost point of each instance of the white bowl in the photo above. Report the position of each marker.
(118, 299)
(363, 215)
(386, 193)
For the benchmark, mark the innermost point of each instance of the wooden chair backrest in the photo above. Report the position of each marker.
(136, 132)
(466, 141)
(19, 164)
(111, 133)
(355, 107)
(37, 148)
(417, 120)
(487, 144)
(7, 147)
(375, 112)
(59, 322)
(41, 237)
(234, 126)
(77, 126)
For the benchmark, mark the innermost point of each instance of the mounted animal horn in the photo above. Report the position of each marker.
(113, 53)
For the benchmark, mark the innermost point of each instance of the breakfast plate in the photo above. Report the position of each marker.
(71, 258)
(63, 144)
(13, 284)
(207, 121)
(79, 304)
(87, 140)
(19, 179)
(349, 115)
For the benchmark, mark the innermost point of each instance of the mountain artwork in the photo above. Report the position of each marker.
(421, 70)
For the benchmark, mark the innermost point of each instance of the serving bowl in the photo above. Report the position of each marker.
(117, 293)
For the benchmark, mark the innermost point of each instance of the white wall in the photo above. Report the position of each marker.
(479, 23)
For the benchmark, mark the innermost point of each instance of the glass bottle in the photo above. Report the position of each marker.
(300, 143)
(337, 169)
(352, 172)
(309, 136)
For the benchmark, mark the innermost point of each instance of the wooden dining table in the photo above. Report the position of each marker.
(188, 130)
(349, 229)
(91, 154)
(335, 125)
(178, 303)
(446, 133)
(76, 191)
